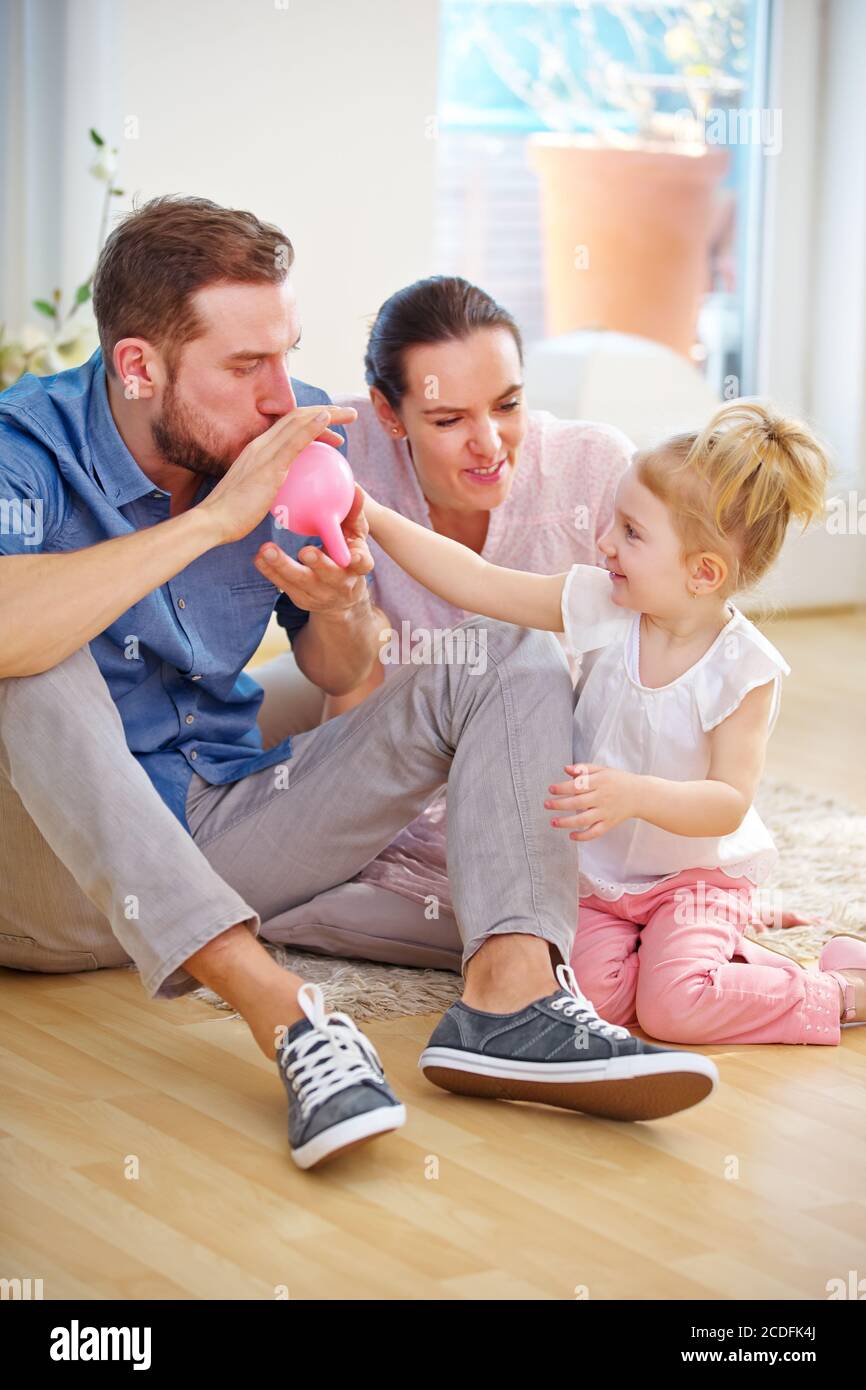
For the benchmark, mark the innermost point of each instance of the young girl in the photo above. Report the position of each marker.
(674, 709)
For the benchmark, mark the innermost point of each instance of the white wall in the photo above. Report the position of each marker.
(812, 339)
(838, 281)
(314, 115)
(89, 96)
(31, 166)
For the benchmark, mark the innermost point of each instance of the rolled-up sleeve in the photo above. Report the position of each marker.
(290, 617)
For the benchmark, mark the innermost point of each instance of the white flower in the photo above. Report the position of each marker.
(47, 362)
(681, 45)
(104, 165)
(33, 336)
(76, 343)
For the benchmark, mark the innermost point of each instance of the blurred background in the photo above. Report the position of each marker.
(671, 198)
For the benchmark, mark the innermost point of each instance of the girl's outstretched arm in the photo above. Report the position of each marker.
(461, 577)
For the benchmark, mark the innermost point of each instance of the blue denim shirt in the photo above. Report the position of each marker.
(174, 661)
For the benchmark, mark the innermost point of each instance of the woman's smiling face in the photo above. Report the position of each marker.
(464, 416)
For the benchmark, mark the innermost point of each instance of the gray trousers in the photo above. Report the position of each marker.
(96, 871)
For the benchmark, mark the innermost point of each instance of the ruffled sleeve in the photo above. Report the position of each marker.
(743, 660)
(590, 618)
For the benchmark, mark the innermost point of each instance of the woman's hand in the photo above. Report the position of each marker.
(600, 797)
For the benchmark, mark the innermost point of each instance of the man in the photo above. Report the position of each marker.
(139, 566)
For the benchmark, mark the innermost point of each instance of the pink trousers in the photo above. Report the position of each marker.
(674, 961)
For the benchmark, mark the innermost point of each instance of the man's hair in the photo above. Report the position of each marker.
(162, 253)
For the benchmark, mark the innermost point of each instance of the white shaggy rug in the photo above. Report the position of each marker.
(821, 875)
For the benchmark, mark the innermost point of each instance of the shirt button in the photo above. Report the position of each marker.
(195, 678)
(181, 603)
(190, 718)
(193, 754)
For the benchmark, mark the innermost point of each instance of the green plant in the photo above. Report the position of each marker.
(61, 342)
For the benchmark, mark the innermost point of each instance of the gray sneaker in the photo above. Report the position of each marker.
(338, 1095)
(557, 1050)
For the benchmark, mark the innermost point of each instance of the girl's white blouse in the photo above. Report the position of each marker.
(660, 733)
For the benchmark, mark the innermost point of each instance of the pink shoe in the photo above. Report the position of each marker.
(844, 952)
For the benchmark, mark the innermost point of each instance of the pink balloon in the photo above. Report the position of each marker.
(316, 496)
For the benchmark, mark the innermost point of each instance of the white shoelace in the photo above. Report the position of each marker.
(330, 1057)
(582, 1010)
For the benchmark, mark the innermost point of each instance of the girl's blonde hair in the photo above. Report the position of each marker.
(734, 487)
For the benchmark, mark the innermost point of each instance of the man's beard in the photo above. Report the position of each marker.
(177, 439)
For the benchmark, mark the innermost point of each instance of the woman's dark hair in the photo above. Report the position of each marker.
(440, 309)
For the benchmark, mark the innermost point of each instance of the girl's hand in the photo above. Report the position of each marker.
(601, 797)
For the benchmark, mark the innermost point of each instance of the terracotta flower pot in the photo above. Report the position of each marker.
(627, 235)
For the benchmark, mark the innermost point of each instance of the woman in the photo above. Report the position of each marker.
(445, 438)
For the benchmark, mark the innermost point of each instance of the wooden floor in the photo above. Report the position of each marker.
(143, 1150)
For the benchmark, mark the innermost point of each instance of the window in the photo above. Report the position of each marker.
(600, 165)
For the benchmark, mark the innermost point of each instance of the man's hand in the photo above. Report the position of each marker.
(601, 797)
(245, 494)
(317, 583)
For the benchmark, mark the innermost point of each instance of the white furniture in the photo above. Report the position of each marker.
(644, 388)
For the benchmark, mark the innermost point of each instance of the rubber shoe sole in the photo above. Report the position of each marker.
(618, 1088)
(349, 1134)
